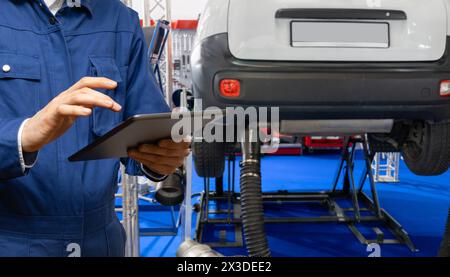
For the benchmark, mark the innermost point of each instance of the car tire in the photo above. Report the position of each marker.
(427, 148)
(445, 246)
(209, 159)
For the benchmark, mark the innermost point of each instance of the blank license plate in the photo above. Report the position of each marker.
(339, 34)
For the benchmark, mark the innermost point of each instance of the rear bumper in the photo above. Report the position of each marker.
(318, 90)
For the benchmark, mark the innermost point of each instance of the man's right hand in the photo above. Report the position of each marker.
(60, 114)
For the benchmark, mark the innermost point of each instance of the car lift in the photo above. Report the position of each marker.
(363, 209)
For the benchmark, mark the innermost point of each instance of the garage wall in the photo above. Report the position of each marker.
(181, 9)
(187, 9)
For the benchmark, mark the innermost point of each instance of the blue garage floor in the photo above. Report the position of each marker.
(420, 204)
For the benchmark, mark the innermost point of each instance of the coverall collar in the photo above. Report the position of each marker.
(88, 4)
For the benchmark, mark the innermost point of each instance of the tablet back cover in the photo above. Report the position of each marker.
(131, 133)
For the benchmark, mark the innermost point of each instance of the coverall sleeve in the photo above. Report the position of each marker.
(27, 160)
(143, 93)
(10, 165)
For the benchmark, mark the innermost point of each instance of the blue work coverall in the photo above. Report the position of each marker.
(56, 207)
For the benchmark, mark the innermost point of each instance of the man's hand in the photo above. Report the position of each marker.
(60, 114)
(163, 158)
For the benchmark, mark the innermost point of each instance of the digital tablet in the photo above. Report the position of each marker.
(140, 129)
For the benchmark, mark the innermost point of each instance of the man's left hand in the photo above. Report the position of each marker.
(162, 158)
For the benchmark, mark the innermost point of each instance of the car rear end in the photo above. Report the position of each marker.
(326, 59)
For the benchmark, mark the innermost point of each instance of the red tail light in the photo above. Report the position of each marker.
(445, 88)
(230, 88)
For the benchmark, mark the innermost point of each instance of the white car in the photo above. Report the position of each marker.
(374, 61)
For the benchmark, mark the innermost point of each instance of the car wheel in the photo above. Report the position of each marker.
(209, 159)
(427, 148)
(445, 246)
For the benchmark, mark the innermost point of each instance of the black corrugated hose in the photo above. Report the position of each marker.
(251, 202)
(170, 192)
(445, 247)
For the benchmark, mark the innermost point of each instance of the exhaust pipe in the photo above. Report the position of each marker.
(193, 249)
(336, 127)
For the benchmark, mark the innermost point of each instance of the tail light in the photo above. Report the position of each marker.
(445, 88)
(230, 88)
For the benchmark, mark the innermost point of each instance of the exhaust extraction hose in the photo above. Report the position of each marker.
(251, 200)
(445, 247)
(170, 192)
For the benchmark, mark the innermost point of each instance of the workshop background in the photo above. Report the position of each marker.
(420, 205)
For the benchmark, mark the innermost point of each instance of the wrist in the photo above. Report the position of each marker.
(27, 145)
(153, 176)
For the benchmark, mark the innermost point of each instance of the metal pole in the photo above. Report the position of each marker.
(130, 214)
(125, 212)
(397, 167)
(135, 216)
(162, 10)
(341, 163)
(377, 166)
(207, 194)
(351, 178)
(371, 177)
(169, 56)
(187, 205)
(186, 209)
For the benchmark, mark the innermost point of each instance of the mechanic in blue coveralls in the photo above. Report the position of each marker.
(69, 74)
